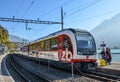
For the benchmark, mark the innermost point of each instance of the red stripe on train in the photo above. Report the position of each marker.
(83, 60)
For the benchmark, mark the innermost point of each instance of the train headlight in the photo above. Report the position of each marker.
(79, 53)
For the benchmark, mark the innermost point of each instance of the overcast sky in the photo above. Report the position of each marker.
(82, 14)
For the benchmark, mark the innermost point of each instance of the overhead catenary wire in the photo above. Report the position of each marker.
(36, 32)
(82, 8)
(21, 4)
(16, 13)
(28, 8)
(92, 17)
(51, 11)
(68, 2)
(64, 4)
(31, 6)
(25, 11)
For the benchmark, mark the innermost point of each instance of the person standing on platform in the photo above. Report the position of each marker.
(103, 53)
(103, 58)
(108, 55)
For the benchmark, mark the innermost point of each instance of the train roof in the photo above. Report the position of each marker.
(75, 31)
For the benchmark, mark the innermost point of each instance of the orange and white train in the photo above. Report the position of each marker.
(68, 45)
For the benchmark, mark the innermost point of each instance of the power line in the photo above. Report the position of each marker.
(55, 10)
(51, 11)
(84, 7)
(25, 11)
(19, 6)
(65, 4)
(36, 32)
(91, 17)
(16, 14)
(28, 8)
(81, 6)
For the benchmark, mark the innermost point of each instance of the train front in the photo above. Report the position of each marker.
(86, 49)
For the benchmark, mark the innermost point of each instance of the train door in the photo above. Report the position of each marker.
(65, 52)
(60, 47)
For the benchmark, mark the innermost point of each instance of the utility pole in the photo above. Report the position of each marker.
(72, 70)
(62, 18)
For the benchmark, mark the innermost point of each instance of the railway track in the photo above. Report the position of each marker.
(87, 73)
(21, 74)
(98, 75)
(103, 76)
(14, 73)
(92, 74)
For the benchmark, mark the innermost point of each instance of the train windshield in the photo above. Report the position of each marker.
(85, 45)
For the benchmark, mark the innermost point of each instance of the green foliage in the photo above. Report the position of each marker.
(4, 38)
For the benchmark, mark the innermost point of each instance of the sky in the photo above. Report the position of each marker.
(78, 14)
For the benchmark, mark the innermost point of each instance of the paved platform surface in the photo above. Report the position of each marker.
(113, 66)
(113, 69)
(4, 77)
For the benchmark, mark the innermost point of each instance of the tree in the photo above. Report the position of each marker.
(4, 38)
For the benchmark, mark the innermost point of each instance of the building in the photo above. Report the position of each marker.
(3, 49)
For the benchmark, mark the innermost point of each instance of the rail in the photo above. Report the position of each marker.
(27, 74)
(87, 73)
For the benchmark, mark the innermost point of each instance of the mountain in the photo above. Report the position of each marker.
(14, 38)
(19, 42)
(109, 32)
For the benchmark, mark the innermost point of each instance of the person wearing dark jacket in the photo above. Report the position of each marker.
(108, 56)
(103, 53)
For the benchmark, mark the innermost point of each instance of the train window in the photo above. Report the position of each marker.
(54, 43)
(67, 43)
(30, 47)
(85, 45)
(34, 46)
(47, 45)
(42, 45)
(37, 46)
(85, 42)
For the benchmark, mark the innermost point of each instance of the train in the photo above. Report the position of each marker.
(67, 46)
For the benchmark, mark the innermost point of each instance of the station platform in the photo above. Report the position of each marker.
(113, 69)
(4, 74)
(113, 66)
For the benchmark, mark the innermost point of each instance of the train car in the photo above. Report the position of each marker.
(68, 45)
